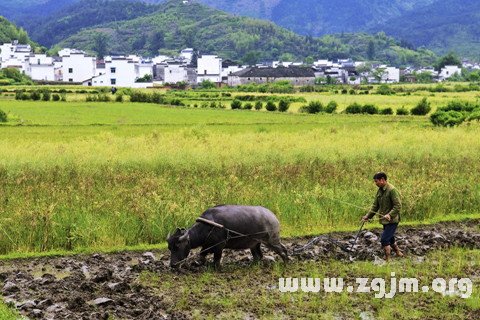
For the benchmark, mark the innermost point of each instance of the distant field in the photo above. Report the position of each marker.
(91, 174)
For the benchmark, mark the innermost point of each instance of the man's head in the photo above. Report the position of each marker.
(380, 179)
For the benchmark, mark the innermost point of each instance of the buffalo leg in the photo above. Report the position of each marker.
(256, 253)
(202, 260)
(217, 258)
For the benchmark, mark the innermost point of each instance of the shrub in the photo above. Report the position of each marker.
(331, 107)
(403, 111)
(19, 94)
(384, 90)
(155, 98)
(248, 106)
(474, 116)
(3, 116)
(103, 98)
(35, 96)
(25, 96)
(271, 106)
(344, 91)
(422, 108)
(176, 102)
(314, 107)
(236, 104)
(46, 95)
(207, 84)
(55, 97)
(387, 111)
(458, 106)
(447, 118)
(119, 98)
(258, 105)
(352, 91)
(283, 105)
(354, 108)
(370, 109)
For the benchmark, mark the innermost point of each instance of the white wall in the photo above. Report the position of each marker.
(449, 71)
(78, 67)
(392, 75)
(209, 67)
(175, 73)
(122, 72)
(231, 69)
(13, 55)
(41, 72)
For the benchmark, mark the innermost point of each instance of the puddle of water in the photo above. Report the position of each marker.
(39, 271)
(133, 262)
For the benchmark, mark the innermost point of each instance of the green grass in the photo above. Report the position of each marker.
(237, 292)
(81, 176)
(8, 313)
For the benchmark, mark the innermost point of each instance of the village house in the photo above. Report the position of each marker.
(77, 66)
(174, 71)
(121, 71)
(295, 75)
(187, 55)
(209, 67)
(14, 55)
(42, 68)
(448, 72)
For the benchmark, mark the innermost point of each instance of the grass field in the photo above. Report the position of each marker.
(77, 175)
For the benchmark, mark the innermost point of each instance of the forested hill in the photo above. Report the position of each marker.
(59, 25)
(9, 32)
(448, 25)
(176, 25)
(319, 17)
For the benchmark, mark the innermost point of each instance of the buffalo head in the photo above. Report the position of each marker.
(179, 246)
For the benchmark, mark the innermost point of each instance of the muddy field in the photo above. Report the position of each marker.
(100, 286)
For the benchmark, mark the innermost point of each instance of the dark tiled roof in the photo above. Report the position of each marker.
(280, 72)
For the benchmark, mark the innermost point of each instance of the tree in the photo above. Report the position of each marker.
(207, 84)
(100, 44)
(371, 50)
(309, 60)
(286, 57)
(139, 43)
(448, 60)
(379, 74)
(251, 58)
(157, 41)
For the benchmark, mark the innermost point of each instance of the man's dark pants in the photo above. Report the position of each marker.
(388, 234)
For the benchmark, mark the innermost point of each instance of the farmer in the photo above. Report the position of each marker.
(387, 205)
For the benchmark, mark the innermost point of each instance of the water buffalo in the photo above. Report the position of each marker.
(234, 227)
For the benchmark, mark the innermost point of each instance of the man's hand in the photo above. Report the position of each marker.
(365, 218)
(388, 217)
